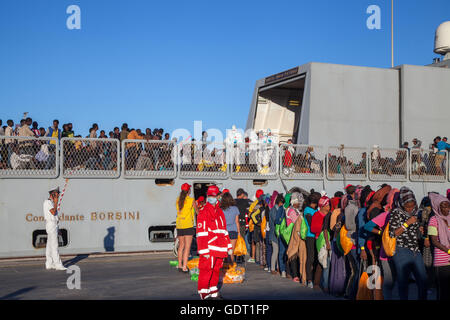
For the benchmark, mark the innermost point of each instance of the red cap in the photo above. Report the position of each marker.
(212, 191)
(225, 191)
(185, 187)
(201, 199)
(349, 185)
(259, 193)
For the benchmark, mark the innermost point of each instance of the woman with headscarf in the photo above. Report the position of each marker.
(376, 227)
(404, 226)
(439, 231)
(271, 235)
(321, 224)
(351, 211)
(282, 247)
(270, 232)
(312, 258)
(293, 215)
(376, 207)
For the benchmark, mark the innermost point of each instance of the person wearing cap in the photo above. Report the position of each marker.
(213, 244)
(53, 261)
(255, 210)
(186, 211)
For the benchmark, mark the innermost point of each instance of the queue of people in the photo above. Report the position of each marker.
(327, 244)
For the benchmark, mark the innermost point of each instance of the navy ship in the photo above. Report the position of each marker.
(317, 125)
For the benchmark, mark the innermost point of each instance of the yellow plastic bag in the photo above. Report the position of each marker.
(240, 249)
(263, 227)
(193, 263)
(346, 242)
(388, 242)
(234, 274)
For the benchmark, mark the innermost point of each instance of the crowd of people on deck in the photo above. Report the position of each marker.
(25, 154)
(83, 154)
(329, 243)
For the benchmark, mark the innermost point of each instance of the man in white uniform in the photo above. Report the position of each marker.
(51, 226)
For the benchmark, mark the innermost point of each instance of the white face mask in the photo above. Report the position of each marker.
(212, 200)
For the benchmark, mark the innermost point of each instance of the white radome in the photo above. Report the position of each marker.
(442, 39)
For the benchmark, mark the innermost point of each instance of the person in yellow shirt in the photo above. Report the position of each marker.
(186, 212)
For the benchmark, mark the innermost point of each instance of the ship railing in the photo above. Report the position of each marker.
(388, 164)
(347, 163)
(45, 157)
(302, 162)
(258, 161)
(202, 160)
(29, 157)
(149, 159)
(428, 165)
(90, 158)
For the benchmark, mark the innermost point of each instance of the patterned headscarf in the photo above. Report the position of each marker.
(406, 195)
(323, 202)
(297, 197)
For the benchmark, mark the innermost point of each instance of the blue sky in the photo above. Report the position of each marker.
(168, 63)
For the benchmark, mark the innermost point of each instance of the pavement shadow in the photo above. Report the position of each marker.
(73, 261)
(16, 294)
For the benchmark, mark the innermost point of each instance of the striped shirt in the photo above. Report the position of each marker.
(441, 258)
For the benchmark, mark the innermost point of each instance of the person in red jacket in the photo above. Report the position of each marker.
(213, 245)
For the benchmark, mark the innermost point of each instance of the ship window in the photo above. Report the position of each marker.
(260, 182)
(39, 238)
(161, 233)
(164, 182)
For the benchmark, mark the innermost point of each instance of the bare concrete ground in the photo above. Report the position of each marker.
(136, 277)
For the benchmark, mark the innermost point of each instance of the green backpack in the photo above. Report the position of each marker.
(303, 229)
(277, 230)
(286, 231)
(320, 242)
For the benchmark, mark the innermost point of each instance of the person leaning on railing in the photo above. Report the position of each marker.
(440, 155)
(133, 149)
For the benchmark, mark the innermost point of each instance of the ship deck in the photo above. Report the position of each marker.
(143, 276)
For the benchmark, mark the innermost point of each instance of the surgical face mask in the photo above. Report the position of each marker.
(212, 200)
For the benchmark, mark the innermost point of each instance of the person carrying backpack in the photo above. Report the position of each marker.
(256, 212)
(272, 234)
(376, 228)
(282, 247)
(312, 258)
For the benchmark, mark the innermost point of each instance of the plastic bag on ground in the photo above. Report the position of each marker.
(233, 274)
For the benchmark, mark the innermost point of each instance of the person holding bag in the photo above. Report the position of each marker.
(404, 226)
